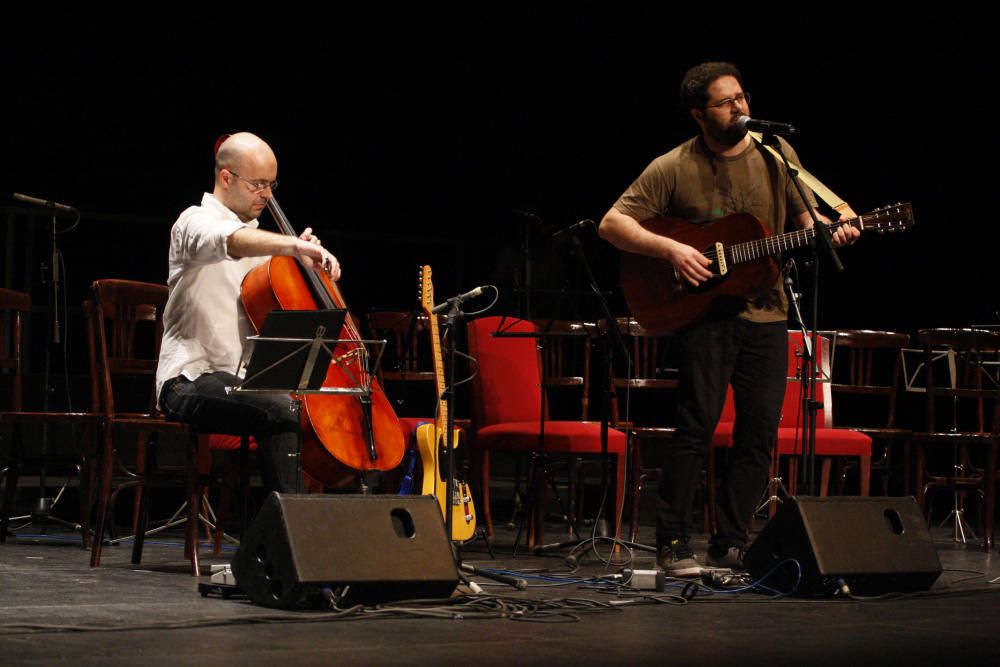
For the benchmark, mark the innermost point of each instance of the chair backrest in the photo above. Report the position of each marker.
(507, 382)
(866, 373)
(407, 354)
(13, 307)
(128, 318)
(566, 358)
(961, 379)
(791, 407)
(653, 370)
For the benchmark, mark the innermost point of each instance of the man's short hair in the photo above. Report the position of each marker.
(694, 86)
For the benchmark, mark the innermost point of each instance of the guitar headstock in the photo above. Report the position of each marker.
(888, 218)
(425, 289)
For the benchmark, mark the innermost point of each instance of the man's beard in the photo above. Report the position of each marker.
(727, 136)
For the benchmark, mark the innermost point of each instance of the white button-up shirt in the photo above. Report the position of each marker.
(205, 326)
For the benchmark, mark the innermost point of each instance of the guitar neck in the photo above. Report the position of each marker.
(749, 251)
(439, 384)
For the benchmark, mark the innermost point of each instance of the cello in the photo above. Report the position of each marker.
(342, 435)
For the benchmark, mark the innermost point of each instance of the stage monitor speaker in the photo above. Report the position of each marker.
(365, 549)
(876, 545)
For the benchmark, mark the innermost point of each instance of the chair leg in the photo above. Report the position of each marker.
(906, 467)
(536, 526)
(990, 499)
(103, 495)
(229, 474)
(194, 505)
(620, 475)
(824, 480)
(10, 482)
(793, 475)
(87, 487)
(864, 475)
(634, 448)
(244, 485)
(484, 485)
(140, 522)
(141, 463)
(919, 478)
(573, 490)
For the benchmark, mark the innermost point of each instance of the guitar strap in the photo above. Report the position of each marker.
(823, 192)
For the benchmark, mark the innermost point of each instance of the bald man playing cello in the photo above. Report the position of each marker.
(212, 247)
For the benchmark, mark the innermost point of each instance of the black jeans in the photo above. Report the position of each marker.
(754, 359)
(205, 404)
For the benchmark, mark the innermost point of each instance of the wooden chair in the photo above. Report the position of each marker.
(129, 328)
(406, 367)
(653, 384)
(14, 306)
(866, 369)
(507, 414)
(962, 418)
(565, 352)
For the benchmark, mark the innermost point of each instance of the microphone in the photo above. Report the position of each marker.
(572, 228)
(456, 300)
(44, 202)
(755, 125)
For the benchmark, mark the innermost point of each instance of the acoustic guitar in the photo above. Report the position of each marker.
(743, 264)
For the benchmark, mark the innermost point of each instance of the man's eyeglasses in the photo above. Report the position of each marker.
(739, 100)
(256, 187)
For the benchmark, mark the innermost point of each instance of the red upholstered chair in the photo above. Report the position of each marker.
(830, 442)
(507, 413)
(235, 474)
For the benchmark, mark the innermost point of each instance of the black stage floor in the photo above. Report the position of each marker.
(54, 608)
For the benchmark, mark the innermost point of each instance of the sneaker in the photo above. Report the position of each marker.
(731, 559)
(677, 560)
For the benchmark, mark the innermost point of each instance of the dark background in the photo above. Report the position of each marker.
(402, 141)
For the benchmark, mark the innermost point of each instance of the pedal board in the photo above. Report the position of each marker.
(222, 583)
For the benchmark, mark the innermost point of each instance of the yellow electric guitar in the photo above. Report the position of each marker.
(431, 437)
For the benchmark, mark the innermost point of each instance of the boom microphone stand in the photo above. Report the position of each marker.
(452, 317)
(821, 238)
(42, 510)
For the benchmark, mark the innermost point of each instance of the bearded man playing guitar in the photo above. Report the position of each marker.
(741, 340)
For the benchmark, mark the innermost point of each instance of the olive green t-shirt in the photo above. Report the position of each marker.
(692, 183)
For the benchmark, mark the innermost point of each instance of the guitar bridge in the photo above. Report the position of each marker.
(720, 259)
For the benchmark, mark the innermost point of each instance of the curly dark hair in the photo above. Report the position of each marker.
(694, 86)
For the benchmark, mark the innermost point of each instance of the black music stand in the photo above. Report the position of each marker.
(539, 464)
(291, 356)
(611, 341)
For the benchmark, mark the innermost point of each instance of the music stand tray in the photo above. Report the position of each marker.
(291, 352)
